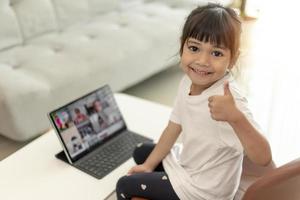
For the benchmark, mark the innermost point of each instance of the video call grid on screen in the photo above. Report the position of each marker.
(88, 121)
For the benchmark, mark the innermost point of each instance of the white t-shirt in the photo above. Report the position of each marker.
(209, 165)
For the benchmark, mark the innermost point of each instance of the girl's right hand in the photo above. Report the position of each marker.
(139, 169)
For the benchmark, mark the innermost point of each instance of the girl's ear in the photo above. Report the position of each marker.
(234, 59)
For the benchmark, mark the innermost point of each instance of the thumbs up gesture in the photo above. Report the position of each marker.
(222, 107)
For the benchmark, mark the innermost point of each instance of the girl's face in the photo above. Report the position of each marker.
(204, 63)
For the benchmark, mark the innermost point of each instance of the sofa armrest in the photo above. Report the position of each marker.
(278, 184)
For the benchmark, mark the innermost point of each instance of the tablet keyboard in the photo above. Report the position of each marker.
(112, 154)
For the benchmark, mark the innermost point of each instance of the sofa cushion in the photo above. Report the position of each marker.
(25, 86)
(70, 12)
(15, 112)
(35, 17)
(9, 32)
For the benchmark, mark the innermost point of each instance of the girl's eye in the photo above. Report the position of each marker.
(217, 53)
(193, 48)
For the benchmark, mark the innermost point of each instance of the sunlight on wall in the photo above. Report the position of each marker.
(274, 87)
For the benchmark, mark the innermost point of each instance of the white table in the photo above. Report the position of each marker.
(34, 173)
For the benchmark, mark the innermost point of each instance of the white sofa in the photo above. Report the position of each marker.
(52, 51)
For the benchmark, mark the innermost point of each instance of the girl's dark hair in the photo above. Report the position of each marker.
(215, 24)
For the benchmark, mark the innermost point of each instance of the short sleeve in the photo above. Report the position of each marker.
(175, 114)
(242, 105)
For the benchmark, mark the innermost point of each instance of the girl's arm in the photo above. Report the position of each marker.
(223, 108)
(256, 146)
(164, 145)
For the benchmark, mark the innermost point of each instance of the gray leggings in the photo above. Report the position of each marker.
(154, 185)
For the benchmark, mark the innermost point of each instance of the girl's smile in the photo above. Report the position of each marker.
(200, 72)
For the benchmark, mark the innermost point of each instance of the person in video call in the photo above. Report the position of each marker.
(79, 117)
(76, 144)
(96, 117)
(59, 122)
(210, 114)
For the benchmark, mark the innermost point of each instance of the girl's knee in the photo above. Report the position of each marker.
(137, 152)
(122, 182)
(142, 151)
(124, 187)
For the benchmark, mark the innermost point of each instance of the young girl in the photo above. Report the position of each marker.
(210, 113)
